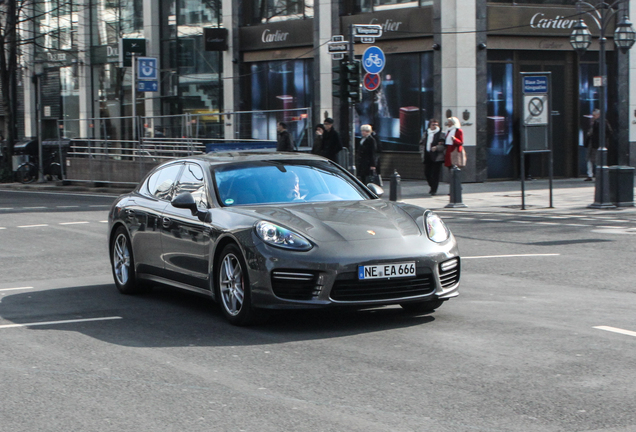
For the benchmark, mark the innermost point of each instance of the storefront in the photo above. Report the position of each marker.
(536, 39)
(277, 74)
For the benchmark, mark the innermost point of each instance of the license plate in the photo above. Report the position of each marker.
(385, 271)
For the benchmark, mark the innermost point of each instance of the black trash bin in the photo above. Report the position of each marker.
(621, 185)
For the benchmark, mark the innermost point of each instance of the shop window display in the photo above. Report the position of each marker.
(500, 120)
(400, 108)
(283, 86)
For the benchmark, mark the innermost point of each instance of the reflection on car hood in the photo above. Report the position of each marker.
(341, 220)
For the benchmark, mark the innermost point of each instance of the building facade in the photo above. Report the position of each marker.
(443, 57)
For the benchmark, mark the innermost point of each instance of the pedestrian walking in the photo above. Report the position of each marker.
(432, 151)
(592, 140)
(317, 148)
(331, 144)
(284, 140)
(366, 155)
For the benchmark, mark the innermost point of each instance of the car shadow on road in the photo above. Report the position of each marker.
(167, 317)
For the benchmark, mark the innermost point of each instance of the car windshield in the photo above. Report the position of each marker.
(282, 181)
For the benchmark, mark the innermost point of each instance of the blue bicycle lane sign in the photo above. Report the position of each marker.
(373, 60)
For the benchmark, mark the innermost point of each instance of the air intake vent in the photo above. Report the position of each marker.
(351, 289)
(295, 284)
(449, 272)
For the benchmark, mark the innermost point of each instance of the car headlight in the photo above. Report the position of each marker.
(435, 227)
(281, 237)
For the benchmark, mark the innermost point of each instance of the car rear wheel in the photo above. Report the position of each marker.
(422, 307)
(233, 289)
(123, 264)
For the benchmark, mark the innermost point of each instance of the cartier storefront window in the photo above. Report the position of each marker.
(401, 107)
(283, 87)
(500, 136)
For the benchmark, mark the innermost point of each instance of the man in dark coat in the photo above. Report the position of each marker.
(592, 140)
(432, 150)
(284, 143)
(366, 154)
(331, 144)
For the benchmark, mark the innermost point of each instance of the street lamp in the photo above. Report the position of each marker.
(580, 39)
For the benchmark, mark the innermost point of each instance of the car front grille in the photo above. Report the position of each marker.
(449, 272)
(348, 288)
(295, 284)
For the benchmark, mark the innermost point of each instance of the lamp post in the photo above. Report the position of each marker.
(580, 39)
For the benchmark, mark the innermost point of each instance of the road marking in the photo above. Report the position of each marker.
(67, 206)
(522, 222)
(6, 208)
(547, 223)
(2, 228)
(609, 227)
(59, 322)
(616, 330)
(510, 256)
(576, 225)
(103, 221)
(73, 223)
(15, 289)
(100, 205)
(32, 226)
(33, 208)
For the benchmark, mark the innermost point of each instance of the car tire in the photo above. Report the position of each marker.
(233, 291)
(123, 264)
(422, 307)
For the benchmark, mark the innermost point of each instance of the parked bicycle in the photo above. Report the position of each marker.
(28, 172)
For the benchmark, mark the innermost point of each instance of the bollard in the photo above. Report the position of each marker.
(455, 189)
(395, 194)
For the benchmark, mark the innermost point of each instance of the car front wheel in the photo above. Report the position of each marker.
(233, 289)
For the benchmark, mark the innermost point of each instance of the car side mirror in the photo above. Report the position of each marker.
(185, 200)
(376, 189)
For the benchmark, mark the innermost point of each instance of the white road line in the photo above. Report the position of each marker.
(100, 205)
(522, 222)
(32, 226)
(67, 206)
(2, 228)
(73, 223)
(576, 225)
(491, 220)
(609, 227)
(6, 208)
(616, 330)
(33, 208)
(548, 223)
(15, 289)
(59, 322)
(103, 221)
(510, 256)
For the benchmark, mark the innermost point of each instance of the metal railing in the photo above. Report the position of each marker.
(109, 154)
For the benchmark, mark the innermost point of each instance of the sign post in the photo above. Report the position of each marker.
(536, 125)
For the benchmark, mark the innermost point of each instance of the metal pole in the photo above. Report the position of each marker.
(38, 109)
(352, 108)
(601, 195)
(134, 96)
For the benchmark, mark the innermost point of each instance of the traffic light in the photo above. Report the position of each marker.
(339, 81)
(354, 83)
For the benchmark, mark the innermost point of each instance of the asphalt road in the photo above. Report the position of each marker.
(542, 338)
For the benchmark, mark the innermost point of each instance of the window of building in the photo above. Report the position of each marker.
(56, 22)
(116, 19)
(500, 132)
(365, 6)
(265, 11)
(401, 107)
(283, 86)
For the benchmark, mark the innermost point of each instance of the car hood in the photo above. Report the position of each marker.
(337, 221)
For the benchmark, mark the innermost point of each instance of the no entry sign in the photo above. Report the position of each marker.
(371, 81)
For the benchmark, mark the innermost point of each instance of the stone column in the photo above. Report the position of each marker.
(84, 68)
(152, 34)
(231, 75)
(325, 26)
(26, 30)
(630, 157)
(459, 70)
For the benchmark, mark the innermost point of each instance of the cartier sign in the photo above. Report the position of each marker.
(536, 20)
(277, 35)
(396, 24)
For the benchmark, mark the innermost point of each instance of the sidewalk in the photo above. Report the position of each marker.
(569, 195)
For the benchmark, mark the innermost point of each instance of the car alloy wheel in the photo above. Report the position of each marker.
(121, 259)
(233, 289)
(231, 283)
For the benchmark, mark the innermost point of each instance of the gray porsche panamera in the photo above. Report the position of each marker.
(258, 231)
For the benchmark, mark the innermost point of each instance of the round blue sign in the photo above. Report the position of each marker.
(373, 60)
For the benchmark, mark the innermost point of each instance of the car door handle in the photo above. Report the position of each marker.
(166, 222)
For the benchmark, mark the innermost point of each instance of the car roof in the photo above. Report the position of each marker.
(219, 158)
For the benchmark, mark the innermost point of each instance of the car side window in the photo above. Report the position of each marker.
(193, 181)
(161, 182)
